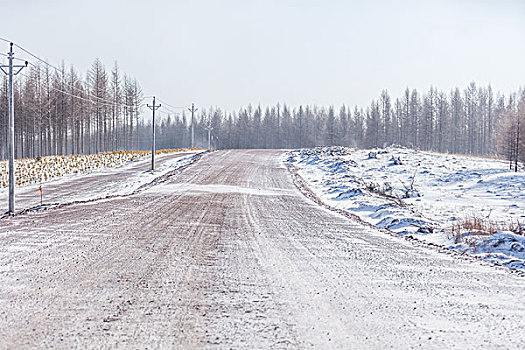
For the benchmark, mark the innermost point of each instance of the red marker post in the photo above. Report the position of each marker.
(40, 193)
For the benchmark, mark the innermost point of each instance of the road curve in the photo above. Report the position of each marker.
(228, 254)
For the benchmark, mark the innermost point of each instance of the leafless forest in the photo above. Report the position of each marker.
(57, 111)
(60, 111)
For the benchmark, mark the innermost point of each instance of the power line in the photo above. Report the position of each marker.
(81, 90)
(110, 104)
(38, 58)
(61, 75)
(32, 55)
(15, 58)
(171, 110)
(167, 104)
(86, 95)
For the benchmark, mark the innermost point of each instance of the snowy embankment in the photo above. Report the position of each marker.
(81, 178)
(474, 205)
(39, 170)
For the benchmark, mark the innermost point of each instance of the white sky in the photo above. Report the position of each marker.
(229, 53)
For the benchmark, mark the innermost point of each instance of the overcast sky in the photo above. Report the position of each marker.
(229, 53)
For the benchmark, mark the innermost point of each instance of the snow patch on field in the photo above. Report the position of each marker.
(422, 194)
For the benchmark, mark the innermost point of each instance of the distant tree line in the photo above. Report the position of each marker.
(473, 121)
(60, 112)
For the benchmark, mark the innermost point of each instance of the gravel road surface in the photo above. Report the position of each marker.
(229, 254)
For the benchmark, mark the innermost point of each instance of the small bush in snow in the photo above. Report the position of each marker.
(385, 190)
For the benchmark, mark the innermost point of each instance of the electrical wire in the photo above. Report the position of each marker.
(167, 104)
(79, 89)
(61, 74)
(172, 111)
(99, 100)
(88, 100)
(15, 58)
(38, 58)
(30, 54)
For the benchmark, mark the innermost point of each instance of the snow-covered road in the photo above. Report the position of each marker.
(229, 254)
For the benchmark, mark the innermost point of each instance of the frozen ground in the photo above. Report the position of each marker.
(228, 254)
(123, 177)
(423, 194)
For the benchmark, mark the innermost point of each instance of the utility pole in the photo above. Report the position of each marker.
(517, 143)
(153, 108)
(209, 128)
(209, 139)
(193, 110)
(11, 73)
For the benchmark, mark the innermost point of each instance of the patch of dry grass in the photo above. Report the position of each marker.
(35, 170)
(473, 227)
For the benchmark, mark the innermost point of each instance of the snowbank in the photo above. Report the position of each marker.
(84, 183)
(423, 194)
(36, 170)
